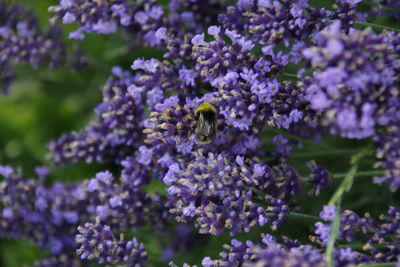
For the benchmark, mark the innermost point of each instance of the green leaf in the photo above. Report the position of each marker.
(333, 236)
(376, 26)
(386, 264)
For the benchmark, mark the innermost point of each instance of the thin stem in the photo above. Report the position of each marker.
(324, 153)
(387, 8)
(302, 216)
(114, 53)
(377, 26)
(360, 174)
(300, 139)
(386, 264)
(336, 201)
(358, 246)
(333, 235)
(290, 75)
(292, 215)
(344, 186)
(347, 182)
(382, 7)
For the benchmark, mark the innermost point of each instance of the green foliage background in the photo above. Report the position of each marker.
(43, 104)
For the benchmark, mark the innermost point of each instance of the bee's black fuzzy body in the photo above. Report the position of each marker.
(206, 123)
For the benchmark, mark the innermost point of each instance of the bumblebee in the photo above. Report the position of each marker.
(206, 123)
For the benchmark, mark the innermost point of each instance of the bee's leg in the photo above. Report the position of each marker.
(191, 131)
(189, 135)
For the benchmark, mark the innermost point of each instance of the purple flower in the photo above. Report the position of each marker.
(323, 231)
(161, 34)
(115, 201)
(141, 17)
(348, 91)
(318, 99)
(328, 213)
(350, 2)
(346, 119)
(145, 155)
(105, 27)
(214, 30)
(68, 18)
(147, 65)
(345, 256)
(350, 224)
(155, 12)
(66, 3)
(187, 76)
(61, 259)
(206, 176)
(320, 178)
(283, 146)
(6, 171)
(145, 122)
(24, 41)
(77, 35)
(118, 128)
(154, 96)
(198, 40)
(335, 47)
(98, 242)
(269, 252)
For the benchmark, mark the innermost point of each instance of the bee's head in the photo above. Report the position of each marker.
(205, 107)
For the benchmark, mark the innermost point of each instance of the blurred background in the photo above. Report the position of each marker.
(43, 104)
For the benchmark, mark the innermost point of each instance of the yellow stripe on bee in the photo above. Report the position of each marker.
(205, 106)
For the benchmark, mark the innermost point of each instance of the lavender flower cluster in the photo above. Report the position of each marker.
(382, 235)
(51, 215)
(22, 40)
(240, 59)
(381, 247)
(355, 86)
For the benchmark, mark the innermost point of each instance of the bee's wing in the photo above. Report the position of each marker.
(205, 130)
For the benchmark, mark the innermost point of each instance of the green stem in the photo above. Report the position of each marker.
(387, 8)
(359, 246)
(336, 200)
(333, 235)
(289, 75)
(382, 7)
(344, 186)
(114, 53)
(301, 216)
(324, 153)
(376, 26)
(293, 215)
(386, 264)
(360, 174)
(300, 139)
(347, 182)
